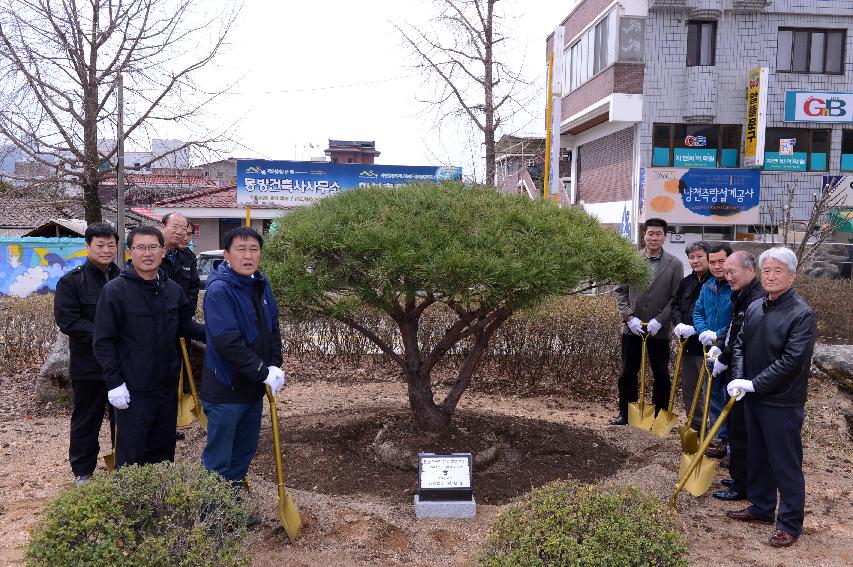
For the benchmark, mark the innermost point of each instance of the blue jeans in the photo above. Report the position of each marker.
(232, 438)
(719, 397)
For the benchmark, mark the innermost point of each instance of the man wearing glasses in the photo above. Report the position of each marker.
(179, 262)
(139, 317)
(74, 312)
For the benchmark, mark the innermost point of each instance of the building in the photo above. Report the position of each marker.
(519, 164)
(351, 151)
(654, 107)
(144, 189)
(222, 172)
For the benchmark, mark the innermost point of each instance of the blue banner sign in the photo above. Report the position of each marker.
(301, 183)
(703, 196)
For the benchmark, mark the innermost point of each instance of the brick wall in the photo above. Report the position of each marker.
(585, 13)
(618, 78)
(605, 167)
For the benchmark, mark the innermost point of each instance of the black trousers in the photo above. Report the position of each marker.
(737, 445)
(90, 399)
(146, 429)
(657, 353)
(775, 463)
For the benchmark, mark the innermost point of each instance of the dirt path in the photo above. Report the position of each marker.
(365, 530)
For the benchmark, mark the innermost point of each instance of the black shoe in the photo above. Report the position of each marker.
(729, 494)
(179, 435)
(727, 482)
(619, 420)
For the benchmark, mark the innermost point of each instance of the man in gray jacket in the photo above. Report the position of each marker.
(651, 305)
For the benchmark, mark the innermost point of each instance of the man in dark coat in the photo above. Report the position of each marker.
(243, 355)
(139, 317)
(179, 261)
(771, 362)
(740, 273)
(74, 311)
(682, 317)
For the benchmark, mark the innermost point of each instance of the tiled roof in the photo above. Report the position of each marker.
(214, 198)
(20, 215)
(154, 180)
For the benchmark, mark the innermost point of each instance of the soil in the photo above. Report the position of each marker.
(358, 511)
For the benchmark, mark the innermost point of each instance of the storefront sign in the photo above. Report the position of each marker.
(756, 110)
(703, 196)
(301, 183)
(811, 106)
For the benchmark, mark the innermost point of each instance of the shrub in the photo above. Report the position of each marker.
(564, 524)
(832, 301)
(27, 331)
(155, 515)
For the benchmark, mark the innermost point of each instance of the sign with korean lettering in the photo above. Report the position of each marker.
(812, 106)
(756, 110)
(703, 196)
(445, 471)
(301, 183)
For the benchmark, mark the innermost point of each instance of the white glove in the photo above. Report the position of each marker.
(653, 327)
(719, 368)
(636, 326)
(739, 386)
(714, 352)
(119, 397)
(707, 337)
(275, 379)
(683, 331)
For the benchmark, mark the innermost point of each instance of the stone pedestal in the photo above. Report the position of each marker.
(444, 508)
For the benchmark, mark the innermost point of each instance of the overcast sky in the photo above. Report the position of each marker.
(338, 69)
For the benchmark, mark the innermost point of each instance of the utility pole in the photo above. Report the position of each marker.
(120, 171)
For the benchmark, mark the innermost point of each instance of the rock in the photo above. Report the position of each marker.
(836, 361)
(53, 380)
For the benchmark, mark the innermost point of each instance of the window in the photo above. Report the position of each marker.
(801, 50)
(632, 38)
(593, 52)
(701, 43)
(796, 149)
(695, 145)
(847, 150)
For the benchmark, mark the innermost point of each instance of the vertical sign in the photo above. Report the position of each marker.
(558, 48)
(756, 117)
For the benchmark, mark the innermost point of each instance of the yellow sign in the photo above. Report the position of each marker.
(756, 107)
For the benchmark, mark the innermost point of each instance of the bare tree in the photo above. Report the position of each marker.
(460, 49)
(59, 60)
(780, 222)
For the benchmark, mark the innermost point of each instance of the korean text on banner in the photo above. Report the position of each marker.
(756, 110)
(704, 196)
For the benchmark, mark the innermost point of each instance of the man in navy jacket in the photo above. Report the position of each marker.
(243, 355)
(138, 320)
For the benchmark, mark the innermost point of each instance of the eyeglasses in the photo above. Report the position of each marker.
(178, 227)
(149, 248)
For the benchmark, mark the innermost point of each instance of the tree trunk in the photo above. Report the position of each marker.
(91, 159)
(489, 102)
(428, 415)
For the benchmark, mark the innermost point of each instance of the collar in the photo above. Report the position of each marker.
(653, 258)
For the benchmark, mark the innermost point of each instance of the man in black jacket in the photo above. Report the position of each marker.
(139, 317)
(771, 361)
(74, 312)
(740, 273)
(682, 316)
(179, 262)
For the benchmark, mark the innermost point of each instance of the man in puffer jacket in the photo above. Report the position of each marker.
(243, 355)
(711, 317)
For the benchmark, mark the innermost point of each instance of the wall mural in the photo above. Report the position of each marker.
(34, 265)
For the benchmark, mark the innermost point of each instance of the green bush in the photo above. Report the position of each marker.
(155, 515)
(563, 524)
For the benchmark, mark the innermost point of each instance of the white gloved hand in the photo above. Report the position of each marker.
(119, 397)
(653, 327)
(719, 368)
(683, 331)
(714, 352)
(275, 379)
(739, 386)
(636, 326)
(707, 337)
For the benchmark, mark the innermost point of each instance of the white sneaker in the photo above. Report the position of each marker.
(81, 480)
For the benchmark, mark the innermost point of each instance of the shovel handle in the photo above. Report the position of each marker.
(279, 468)
(700, 453)
(642, 398)
(674, 388)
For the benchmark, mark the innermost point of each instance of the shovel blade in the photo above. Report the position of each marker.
(641, 416)
(288, 515)
(702, 477)
(186, 407)
(200, 416)
(110, 461)
(689, 440)
(663, 424)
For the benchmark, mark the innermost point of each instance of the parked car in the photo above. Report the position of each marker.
(206, 261)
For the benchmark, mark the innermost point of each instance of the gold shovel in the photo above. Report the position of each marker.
(693, 479)
(186, 404)
(286, 509)
(703, 476)
(665, 419)
(110, 458)
(689, 441)
(641, 414)
(197, 410)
